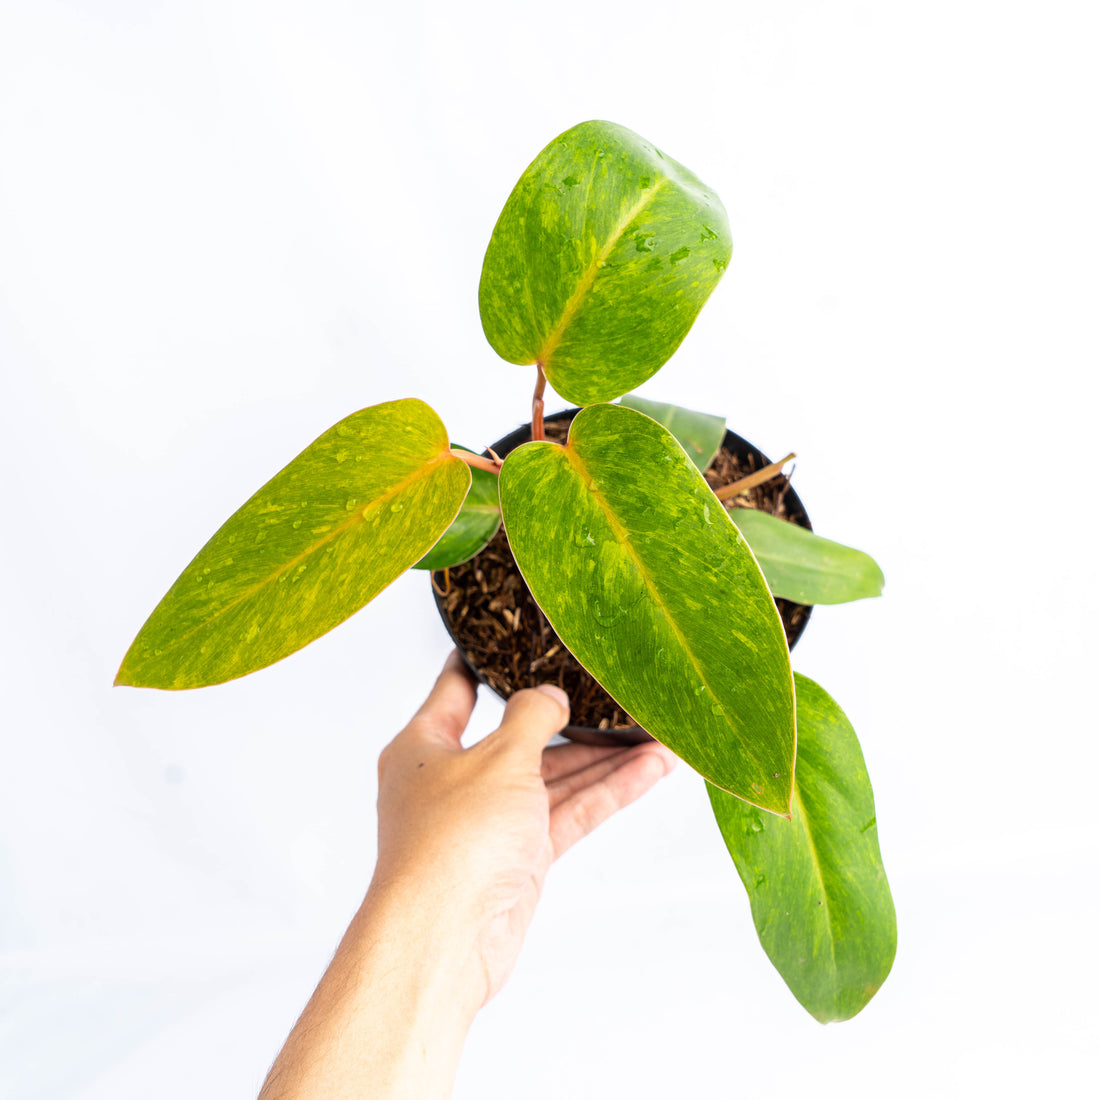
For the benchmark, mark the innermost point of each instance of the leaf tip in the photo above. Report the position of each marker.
(122, 677)
(125, 678)
(781, 807)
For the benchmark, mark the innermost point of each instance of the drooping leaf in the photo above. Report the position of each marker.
(699, 433)
(473, 527)
(603, 256)
(804, 567)
(646, 580)
(820, 900)
(346, 517)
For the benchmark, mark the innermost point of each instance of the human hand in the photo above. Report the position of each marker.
(465, 838)
(474, 831)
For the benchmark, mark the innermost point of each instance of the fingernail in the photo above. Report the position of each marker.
(554, 692)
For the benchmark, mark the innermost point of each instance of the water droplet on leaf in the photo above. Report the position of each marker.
(607, 616)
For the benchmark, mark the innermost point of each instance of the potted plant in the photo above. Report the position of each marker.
(603, 256)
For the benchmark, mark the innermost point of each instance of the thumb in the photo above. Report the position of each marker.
(531, 718)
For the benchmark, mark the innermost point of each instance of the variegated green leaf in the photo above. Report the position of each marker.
(649, 584)
(600, 262)
(820, 900)
(352, 512)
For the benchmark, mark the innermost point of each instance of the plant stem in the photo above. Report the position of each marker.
(740, 486)
(471, 459)
(537, 431)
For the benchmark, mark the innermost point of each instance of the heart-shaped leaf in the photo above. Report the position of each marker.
(699, 433)
(649, 584)
(820, 900)
(600, 261)
(473, 527)
(804, 567)
(346, 517)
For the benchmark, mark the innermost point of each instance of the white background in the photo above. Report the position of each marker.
(226, 225)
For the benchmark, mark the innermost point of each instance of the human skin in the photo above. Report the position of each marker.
(465, 839)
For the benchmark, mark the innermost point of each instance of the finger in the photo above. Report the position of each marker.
(563, 760)
(449, 705)
(581, 812)
(563, 786)
(531, 718)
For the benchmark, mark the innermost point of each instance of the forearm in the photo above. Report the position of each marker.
(391, 1014)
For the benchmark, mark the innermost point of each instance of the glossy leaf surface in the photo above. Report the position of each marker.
(820, 900)
(646, 580)
(699, 433)
(805, 567)
(351, 513)
(473, 527)
(603, 256)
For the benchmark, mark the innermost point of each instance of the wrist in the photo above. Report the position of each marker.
(421, 929)
(390, 1016)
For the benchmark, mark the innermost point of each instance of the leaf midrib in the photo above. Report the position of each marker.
(569, 310)
(358, 516)
(830, 567)
(796, 797)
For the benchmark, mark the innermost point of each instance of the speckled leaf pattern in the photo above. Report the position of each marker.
(805, 567)
(699, 433)
(352, 512)
(820, 900)
(473, 527)
(646, 580)
(603, 256)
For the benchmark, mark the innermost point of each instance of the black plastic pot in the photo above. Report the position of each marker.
(743, 449)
